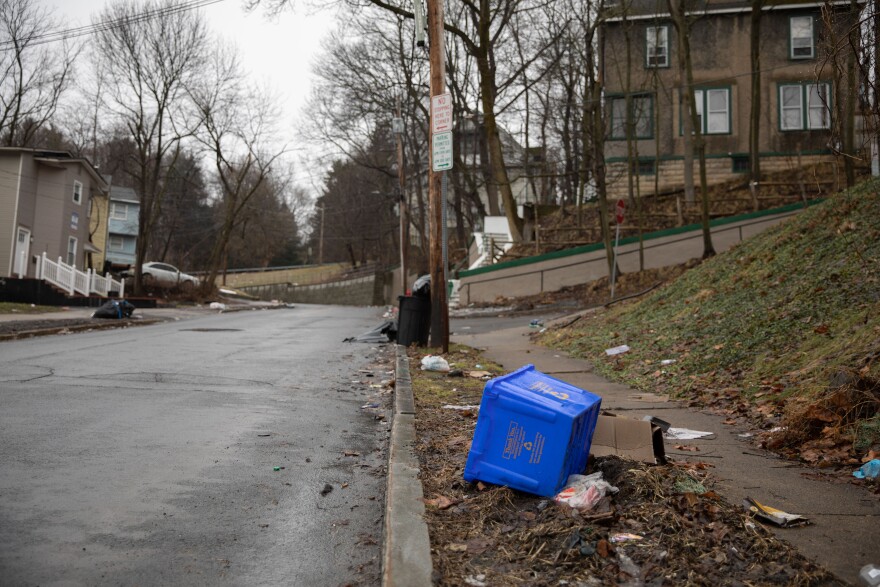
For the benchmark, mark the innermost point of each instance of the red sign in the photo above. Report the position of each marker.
(441, 113)
(618, 210)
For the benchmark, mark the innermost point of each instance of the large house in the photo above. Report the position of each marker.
(45, 207)
(802, 98)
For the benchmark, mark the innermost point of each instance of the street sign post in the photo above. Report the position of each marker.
(441, 151)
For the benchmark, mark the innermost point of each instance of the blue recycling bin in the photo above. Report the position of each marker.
(533, 431)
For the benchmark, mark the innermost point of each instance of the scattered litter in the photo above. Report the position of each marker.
(687, 484)
(351, 453)
(618, 350)
(434, 363)
(625, 537)
(536, 323)
(476, 580)
(263, 434)
(385, 332)
(277, 468)
(370, 406)
(870, 470)
(462, 408)
(584, 491)
(662, 424)
(773, 515)
(870, 575)
(117, 309)
(217, 306)
(479, 374)
(685, 434)
(327, 489)
(667, 361)
(746, 434)
(640, 440)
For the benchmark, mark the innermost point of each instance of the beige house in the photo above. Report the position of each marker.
(46, 207)
(802, 100)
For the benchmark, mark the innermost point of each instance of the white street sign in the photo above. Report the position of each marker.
(441, 113)
(441, 151)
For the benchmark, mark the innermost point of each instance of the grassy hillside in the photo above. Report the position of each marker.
(783, 329)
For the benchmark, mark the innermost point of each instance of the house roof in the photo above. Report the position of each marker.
(60, 158)
(120, 193)
(658, 9)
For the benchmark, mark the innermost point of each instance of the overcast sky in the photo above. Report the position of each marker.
(279, 50)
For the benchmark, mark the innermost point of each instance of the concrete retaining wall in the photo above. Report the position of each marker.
(578, 266)
(370, 290)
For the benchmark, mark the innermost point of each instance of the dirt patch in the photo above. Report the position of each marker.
(676, 529)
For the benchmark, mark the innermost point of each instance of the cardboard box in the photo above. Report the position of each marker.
(640, 440)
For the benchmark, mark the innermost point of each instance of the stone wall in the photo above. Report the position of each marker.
(718, 170)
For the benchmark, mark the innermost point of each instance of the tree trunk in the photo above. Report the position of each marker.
(755, 113)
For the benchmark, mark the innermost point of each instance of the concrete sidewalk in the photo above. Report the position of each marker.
(844, 535)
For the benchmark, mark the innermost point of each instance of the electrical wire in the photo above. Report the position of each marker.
(75, 32)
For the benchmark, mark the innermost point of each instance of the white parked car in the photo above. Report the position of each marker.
(164, 275)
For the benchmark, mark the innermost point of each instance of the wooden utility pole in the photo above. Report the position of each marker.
(439, 308)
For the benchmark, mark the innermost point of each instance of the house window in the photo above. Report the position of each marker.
(713, 111)
(657, 46)
(117, 243)
(71, 250)
(740, 164)
(641, 117)
(77, 192)
(644, 167)
(118, 211)
(800, 30)
(804, 106)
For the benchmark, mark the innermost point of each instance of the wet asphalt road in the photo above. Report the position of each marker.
(145, 456)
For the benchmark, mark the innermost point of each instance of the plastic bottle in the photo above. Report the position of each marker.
(870, 575)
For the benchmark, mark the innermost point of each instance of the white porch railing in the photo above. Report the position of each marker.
(72, 280)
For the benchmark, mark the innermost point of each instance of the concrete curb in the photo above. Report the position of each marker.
(21, 334)
(406, 558)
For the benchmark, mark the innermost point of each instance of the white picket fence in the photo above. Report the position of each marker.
(72, 280)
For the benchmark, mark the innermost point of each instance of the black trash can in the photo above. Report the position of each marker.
(414, 320)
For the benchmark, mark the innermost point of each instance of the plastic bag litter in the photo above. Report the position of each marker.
(217, 306)
(434, 363)
(584, 491)
(870, 470)
(117, 309)
(685, 434)
(618, 350)
(422, 286)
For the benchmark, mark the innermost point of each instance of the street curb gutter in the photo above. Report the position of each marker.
(406, 560)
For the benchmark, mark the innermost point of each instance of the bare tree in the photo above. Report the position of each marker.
(149, 63)
(693, 136)
(236, 127)
(33, 73)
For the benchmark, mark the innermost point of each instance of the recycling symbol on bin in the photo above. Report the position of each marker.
(527, 445)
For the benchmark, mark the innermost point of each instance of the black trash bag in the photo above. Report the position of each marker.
(385, 332)
(116, 309)
(422, 287)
